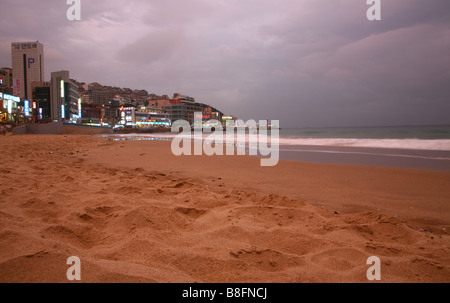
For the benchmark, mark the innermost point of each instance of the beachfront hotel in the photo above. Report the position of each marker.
(184, 108)
(27, 66)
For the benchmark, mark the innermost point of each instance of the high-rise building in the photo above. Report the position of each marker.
(186, 108)
(97, 96)
(64, 97)
(41, 105)
(6, 80)
(28, 66)
(183, 110)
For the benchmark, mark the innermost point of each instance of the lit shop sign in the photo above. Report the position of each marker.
(63, 114)
(9, 97)
(40, 113)
(153, 123)
(79, 108)
(26, 110)
(62, 88)
(227, 118)
(16, 88)
(8, 101)
(127, 115)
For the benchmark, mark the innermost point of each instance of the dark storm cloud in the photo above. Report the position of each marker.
(304, 62)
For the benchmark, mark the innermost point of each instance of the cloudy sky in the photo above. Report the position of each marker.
(307, 63)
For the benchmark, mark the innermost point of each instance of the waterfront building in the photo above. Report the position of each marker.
(41, 101)
(64, 98)
(10, 108)
(96, 96)
(184, 108)
(6, 80)
(144, 117)
(27, 67)
(159, 103)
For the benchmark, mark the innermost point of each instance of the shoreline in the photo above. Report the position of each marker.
(433, 160)
(133, 212)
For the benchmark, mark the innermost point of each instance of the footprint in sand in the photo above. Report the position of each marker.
(344, 259)
(191, 212)
(266, 259)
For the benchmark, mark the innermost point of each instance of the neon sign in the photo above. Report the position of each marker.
(26, 108)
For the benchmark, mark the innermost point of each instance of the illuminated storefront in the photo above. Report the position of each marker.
(131, 117)
(10, 109)
(127, 116)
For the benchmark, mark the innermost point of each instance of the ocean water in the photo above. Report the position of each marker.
(379, 132)
(400, 137)
(419, 147)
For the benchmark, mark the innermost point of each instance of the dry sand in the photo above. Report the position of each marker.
(133, 212)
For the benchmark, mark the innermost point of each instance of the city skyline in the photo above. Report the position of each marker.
(300, 62)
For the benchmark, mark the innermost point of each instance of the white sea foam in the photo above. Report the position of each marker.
(412, 144)
(417, 144)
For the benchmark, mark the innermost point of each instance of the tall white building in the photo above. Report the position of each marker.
(64, 97)
(28, 67)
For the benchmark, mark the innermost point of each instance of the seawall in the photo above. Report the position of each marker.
(59, 128)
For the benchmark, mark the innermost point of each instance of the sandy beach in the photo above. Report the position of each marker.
(133, 212)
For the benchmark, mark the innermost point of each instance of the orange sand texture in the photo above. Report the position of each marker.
(133, 212)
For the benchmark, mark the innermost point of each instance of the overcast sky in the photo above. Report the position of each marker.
(307, 63)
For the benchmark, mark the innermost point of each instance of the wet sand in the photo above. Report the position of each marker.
(436, 160)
